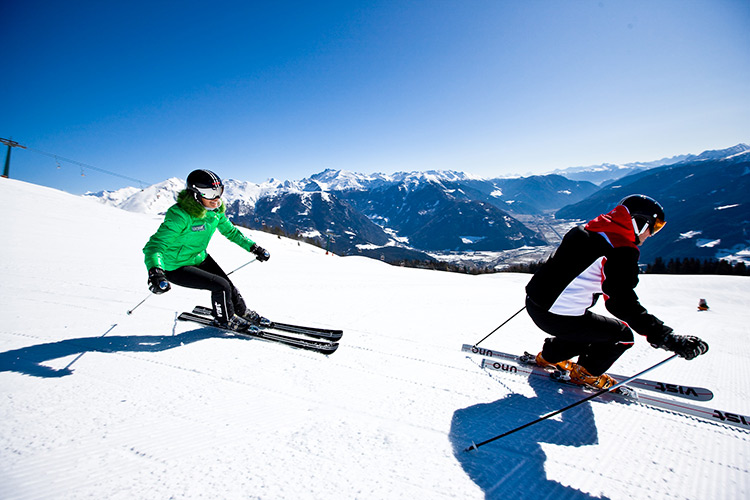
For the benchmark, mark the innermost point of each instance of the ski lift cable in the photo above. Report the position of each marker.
(57, 158)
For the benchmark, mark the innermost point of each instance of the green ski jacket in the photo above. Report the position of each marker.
(183, 237)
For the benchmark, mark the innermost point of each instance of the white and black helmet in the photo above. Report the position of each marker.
(205, 184)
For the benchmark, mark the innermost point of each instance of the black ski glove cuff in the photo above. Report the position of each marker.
(687, 347)
(157, 281)
(261, 254)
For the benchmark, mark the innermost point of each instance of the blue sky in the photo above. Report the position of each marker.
(261, 89)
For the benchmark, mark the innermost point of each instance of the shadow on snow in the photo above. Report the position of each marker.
(30, 360)
(513, 466)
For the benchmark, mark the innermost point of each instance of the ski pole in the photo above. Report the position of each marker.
(243, 265)
(139, 303)
(496, 329)
(144, 300)
(557, 412)
(84, 352)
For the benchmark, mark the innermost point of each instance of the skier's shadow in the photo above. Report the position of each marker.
(513, 466)
(30, 360)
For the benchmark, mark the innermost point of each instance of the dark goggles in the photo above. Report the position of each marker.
(210, 193)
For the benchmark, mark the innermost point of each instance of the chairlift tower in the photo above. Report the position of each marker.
(10, 144)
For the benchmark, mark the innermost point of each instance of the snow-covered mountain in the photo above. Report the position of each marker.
(435, 216)
(738, 153)
(96, 403)
(342, 180)
(407, 215)
(156, 199)
(394, 217)
(608, 172)
(707, 204)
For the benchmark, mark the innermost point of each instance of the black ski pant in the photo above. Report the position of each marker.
(225, 298)
(597, 340)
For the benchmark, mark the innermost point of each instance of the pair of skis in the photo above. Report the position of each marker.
(640, 391)
(322, 340)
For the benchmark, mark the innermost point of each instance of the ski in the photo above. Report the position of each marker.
(321, 346)
(680, 391)
(626, 396)
(320, 333)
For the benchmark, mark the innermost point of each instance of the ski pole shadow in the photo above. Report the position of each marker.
(30, 360)
(513, 466)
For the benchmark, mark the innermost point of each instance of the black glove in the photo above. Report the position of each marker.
(157, 281)
(260, 253)
(687, 347)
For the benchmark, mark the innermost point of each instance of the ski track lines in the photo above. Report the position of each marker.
(677, 448)
(154, 429)
(148, 422)
(679, 445)
(659, 426)
(423, 415)
(346, 398)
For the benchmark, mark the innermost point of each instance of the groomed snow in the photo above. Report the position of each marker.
(99, 404)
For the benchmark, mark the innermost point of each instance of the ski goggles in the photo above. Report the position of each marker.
(653, 223)
(210, 193)
(656, 225)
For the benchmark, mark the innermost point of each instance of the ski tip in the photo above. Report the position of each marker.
(332, 349)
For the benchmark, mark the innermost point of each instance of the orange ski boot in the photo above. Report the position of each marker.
(566, 365)
(579, 375)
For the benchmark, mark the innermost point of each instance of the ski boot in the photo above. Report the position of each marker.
(579, 375)
(238, 324)
(565, 365)
(255, 319)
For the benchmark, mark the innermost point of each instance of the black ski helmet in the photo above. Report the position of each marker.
(646, 212)
(205, 184)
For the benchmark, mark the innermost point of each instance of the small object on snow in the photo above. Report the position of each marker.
(702, 305)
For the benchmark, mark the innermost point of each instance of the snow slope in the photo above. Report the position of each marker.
(98, 404)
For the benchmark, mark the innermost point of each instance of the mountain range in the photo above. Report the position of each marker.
(448, 215)
(706, 199)
(609, 172)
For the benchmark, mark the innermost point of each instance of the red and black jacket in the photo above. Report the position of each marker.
(600, 258)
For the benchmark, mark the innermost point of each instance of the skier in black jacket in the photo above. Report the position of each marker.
(600, 258)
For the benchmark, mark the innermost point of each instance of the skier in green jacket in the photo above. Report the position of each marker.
(176, 253)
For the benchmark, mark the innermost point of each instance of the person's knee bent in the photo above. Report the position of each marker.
(626, 336)
(219, 284)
